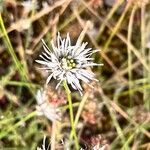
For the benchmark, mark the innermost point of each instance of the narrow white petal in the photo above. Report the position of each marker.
(58, 84)
(63, 51)
(86, 73)
(68, 42)
(70, 81)
(59, 40)
(49, 78)
(75, 81)
(43, 58)
(47, 50)
(45, 45)
(84, 52)
(83, 59)
(49, 64)
(91, 64)
(55, 49)
(79, 76)
(45, 68)
(48, 57)
(81, 48)
(41, 62)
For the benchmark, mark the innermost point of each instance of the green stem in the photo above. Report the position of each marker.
(80, 108)
(71, 114)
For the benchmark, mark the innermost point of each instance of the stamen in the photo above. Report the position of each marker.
(68, 63)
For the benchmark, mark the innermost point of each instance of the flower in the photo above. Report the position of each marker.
(68, 63)
(45, 107)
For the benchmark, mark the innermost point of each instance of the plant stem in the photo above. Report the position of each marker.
(80, 108)
(71, 114)
(53, 135)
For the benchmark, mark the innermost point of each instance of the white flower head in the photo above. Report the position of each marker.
(45, 107)
(67, 62)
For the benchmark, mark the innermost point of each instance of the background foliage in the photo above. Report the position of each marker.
(116, 111)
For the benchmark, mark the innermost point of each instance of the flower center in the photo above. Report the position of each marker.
(67, 63)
